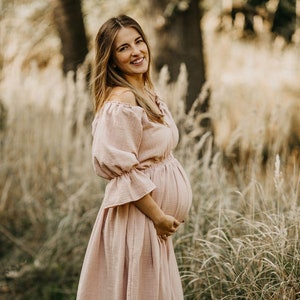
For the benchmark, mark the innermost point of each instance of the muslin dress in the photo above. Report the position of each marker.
(125, 259)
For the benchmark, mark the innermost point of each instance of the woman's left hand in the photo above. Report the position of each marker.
(166, 226)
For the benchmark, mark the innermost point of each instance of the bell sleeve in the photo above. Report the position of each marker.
(117, 135)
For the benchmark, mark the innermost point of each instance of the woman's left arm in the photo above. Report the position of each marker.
(165, 225)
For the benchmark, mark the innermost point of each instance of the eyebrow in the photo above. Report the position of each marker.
(127, 43)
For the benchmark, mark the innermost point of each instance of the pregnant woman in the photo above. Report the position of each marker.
(130, 254)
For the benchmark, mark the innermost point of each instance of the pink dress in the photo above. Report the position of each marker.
(125, 259)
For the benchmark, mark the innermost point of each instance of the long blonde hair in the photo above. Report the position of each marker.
(105, 76)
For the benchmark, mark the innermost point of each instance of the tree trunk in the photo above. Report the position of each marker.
(179, 40)
(284, 23)
(70, 27)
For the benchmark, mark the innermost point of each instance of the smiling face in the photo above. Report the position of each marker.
(130, 53)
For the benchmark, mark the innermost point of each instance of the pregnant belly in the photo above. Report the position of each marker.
(173, 191)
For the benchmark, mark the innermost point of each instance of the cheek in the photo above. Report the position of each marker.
(118, 59)
(145, 50)
(121, 59)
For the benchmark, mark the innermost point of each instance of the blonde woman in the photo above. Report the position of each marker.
(130, 254)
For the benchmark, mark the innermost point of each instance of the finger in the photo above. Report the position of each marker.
(176, 223)
(164, 237)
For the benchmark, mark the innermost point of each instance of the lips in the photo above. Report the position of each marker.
(138, 61)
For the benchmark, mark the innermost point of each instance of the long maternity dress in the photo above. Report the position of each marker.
(125, 259)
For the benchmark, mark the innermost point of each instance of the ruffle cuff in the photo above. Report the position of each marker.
(127, 188)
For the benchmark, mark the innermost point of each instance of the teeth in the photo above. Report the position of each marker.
(138, 61)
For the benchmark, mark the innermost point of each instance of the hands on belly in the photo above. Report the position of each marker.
(166, 226)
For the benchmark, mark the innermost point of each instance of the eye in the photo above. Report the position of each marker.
(140, 40)
(123, 48)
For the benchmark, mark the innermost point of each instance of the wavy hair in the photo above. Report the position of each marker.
(105, 76)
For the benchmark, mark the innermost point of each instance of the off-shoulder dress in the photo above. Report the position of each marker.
(125, 259)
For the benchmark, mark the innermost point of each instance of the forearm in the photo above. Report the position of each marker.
(150, 208)
(165, 225)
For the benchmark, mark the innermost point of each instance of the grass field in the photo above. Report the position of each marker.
(241, 240)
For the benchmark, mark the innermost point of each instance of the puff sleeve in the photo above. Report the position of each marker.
(117, 134)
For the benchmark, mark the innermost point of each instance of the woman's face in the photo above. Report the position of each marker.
(130, 53)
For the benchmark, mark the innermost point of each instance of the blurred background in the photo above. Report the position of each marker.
(229, 71)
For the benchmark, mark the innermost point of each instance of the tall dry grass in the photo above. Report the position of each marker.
(241, 240)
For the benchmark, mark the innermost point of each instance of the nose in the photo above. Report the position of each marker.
(135, 50)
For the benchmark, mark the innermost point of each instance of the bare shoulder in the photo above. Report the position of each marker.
(122, 94)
